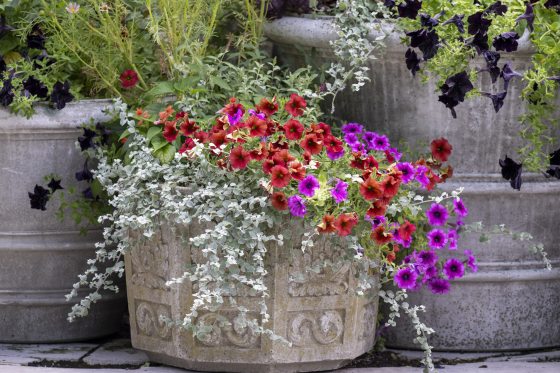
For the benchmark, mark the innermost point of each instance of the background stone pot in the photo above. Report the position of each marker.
(41, 256)
(327, 323)
(512, 303)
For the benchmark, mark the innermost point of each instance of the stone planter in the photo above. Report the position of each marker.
(40, 255)
(512, 303)
(326, 322)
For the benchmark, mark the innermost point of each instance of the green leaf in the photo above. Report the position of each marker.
(158, 142)
(153, 131)
(216, 80)
(126, 133)
(165, 154)
(161, 89)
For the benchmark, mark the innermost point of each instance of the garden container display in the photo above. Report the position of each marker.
(40, 255)
(512, 302)
(326, 323)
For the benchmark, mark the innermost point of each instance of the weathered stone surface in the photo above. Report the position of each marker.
(512, 303)
(20, 354)
(327, 324)
(118, 351)
(40, 255)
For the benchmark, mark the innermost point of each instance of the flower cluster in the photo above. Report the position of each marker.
(353, 185)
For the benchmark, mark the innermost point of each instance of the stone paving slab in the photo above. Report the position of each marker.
(118, 350)
(20, 354)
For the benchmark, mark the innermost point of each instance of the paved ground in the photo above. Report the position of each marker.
(117, 356)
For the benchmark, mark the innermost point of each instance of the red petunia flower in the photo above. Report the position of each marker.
(170, 131)
(380, 236)
(239, 158)
(327, 225)
(267, 107)
(345, 223)
(280, 176)
(371, 189)
(333, 144)
(201, 136)
(406, 230)
(446, 174)
(129, 78)
(378, 208)
(441, 149)
(279, 201)
(325, 129)
(297, 171)
(283, 156)
(390, 186)
(260, 153)
(188, 127)
(296, 105)
(218, 138)
(370, 162)
(257, 127)
(311, 144)
(293, 129)
(390, 257)
(187, 145)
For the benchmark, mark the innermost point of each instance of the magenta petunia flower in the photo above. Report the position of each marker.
(351, 138)
(406, 278)
(297, 206)
(333, 156)
(380, 142)
(340, 191)
(368, 138)
(452, 237)
(258, 115)
(352, 128)
(437, 214)
(471, 261)
(394, 153)
(376, 221)
(308, 186)
(398, 239)
(357, 147)
(437, 239)
(426, 258)
(421, 176)
(235, 118)
(429, 273)
(407, 170)
(453, 269)
(460, 208)
(439, 286)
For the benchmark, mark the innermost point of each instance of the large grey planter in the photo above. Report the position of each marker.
(326, 322)
(41, 256)
(512, 303)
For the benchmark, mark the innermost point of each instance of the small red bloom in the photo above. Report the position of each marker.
(257, 127)
(370, 163)
(333, 144)
(378, 208)
(188, 127)
(201, 136)
(327, 225)
(129, 78)
(293, 129)
(267, 107)
(357, 161)
(345, 223)
(306, 157)
(187, 145)
(389, 157)
(390, 257)
(279, 201)
(239, 158)
(371, 189)
(325, 128)
(280, 176)
(380, 236)
(390, 186)
(283, 157)
(260, 153)
(295, 105)
(406, 230)
(296, 170)
(446, 174)
(218, 138)
(311, 144)
(170, 131)
(233, 108)
(441, 149)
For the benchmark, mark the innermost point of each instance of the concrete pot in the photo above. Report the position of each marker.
(40, 255)
(326, 322)
(512, 303)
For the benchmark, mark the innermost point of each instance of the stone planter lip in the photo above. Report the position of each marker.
(318, 32)
(49, 119)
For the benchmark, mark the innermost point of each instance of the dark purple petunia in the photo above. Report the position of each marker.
(6, 93)
(457, 20)
(553, 4)
(511, 171)
(275, 8)
(103, 132)
(506, 41)
(426, 258)
(439, 286)
(36, 38)
(35, 87)
(497, 8)
(454, 91)
(88, 193)
(492, 59)
(507, 74)
(430, 22)
(39, 198)
(85, 174)
(3, 66)
(298, 6)
(61, 95)
(497, 99)
(478, 24)
(528, 16)
(409, 8)
(389, 3)
(479, 42)
(86, 141)
(554, 169)
(412, 61)
(54, 185)
(425, 40)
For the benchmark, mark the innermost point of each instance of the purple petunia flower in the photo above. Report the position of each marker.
(333, 156)
(352, 128)
(351, 138)
(406, 278)
(460, 208)
(297, 206)
(421, 176)
(368, 137)
(437, 239)
(376, 221)
(452, 237)
(437, 214)
(426, 258)
(235, 118)
(454, 268)
(429, 273)
(380, 142)
(308, 186)
(340, 191)
(471, 261)
(258, 115)
(398, 239)
(407, 170)
(439, 286)
(357, 147)
(395, 153)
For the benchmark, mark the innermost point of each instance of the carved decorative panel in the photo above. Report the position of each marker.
(226, 329)
(148, 319)
(150, 261)
(316, 327)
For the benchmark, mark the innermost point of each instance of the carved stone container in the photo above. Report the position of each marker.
(318, 312)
